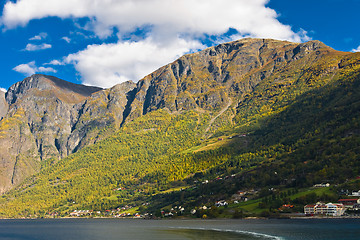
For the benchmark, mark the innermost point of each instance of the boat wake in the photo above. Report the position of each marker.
(248, 234)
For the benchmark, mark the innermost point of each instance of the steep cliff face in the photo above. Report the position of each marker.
(102, 109)
(49, 105)
(46, 117)
(3, 105)
(19, 156)
(51, 118)
(210, 78)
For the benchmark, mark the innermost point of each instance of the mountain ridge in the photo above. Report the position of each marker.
(45, 82)
(219, 81)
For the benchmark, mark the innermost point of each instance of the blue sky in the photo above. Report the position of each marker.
(105, 42)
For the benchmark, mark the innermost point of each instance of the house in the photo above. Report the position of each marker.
(285, 207)
(349, 203)
(329, 209)
(335, 209)
(321, 185)
(221, 203)
(309, 209)
(74, 214)
(320, 209)
(356, 194)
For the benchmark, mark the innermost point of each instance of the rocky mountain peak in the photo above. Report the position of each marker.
(62, 89)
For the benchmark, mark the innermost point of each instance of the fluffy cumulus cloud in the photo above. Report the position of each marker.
(164, 16)
(169, 28)
(30, 68)
(356, 49)
(3, 89)
(36, 47)
(108, 64)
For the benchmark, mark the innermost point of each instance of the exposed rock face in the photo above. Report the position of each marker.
(208, 79)
(19, 157)
(45, 117)
(102, 109)
(3, 105)
(51, 118)
(65, 91)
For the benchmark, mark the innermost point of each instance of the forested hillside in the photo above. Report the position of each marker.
(255, 113)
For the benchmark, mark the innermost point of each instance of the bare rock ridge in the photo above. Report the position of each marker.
(49, 83)
(208, 79)
(45, 117)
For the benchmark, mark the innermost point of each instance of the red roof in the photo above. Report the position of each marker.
(307, 206)
(348, 200)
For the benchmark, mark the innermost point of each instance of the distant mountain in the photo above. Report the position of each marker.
(170, 124)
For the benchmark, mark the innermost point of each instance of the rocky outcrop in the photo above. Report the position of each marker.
(63, 90)
(51, 118)
(46, 117)
(19, 156)
(3, 105)
(102, 109)
(208, 79)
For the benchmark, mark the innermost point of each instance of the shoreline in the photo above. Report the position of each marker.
(187, 218)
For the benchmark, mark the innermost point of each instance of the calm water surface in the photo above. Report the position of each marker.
(111, 229)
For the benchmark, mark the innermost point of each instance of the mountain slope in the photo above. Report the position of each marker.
(183, 118)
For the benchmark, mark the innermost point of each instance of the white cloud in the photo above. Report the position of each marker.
(30, 68)
(55, 63)
(165, 16)
(34, 47)
(46, 69)
(66, 39)
(108, 64)
(172, 28)
(41, 36)
(3, 90)
(356, 49)
(26, 68)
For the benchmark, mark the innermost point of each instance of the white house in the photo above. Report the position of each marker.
(329, 209)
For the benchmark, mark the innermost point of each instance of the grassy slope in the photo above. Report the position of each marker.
(305, 130)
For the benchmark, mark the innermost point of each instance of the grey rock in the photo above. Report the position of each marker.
(3, 105)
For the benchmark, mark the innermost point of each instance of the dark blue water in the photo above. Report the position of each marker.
(109, 229)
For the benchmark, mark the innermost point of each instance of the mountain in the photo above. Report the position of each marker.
(233, 108)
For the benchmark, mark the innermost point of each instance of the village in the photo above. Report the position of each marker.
(344, 207)
(279, 203)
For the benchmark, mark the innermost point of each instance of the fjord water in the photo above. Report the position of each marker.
(111, 229)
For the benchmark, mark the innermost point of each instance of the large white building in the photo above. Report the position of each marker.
(329, 209)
